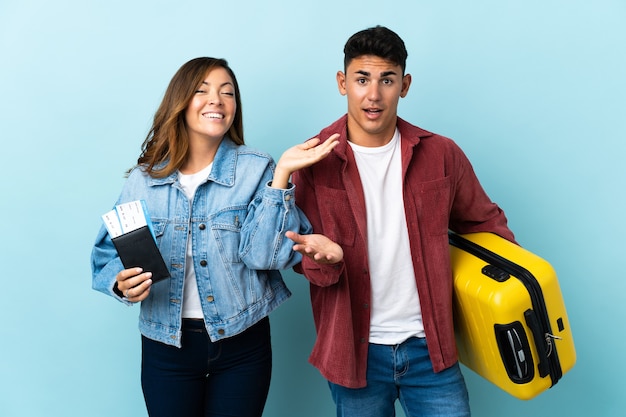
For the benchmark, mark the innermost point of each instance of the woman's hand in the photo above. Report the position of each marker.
(301, 156)
(317, 247)
(134, 284)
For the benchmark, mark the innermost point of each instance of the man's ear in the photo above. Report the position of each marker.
(406, 83)
(341, 82)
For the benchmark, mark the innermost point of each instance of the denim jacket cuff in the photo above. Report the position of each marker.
(284, 196)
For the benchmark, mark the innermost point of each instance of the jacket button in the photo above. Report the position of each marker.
(203, 263)
(287, 197)
(202, 226)
(210, 299)
(221, 331)
(362, 340)
(366, 306)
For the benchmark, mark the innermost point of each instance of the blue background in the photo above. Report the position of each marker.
(533, 91)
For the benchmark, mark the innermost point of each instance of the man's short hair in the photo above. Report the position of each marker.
(378, 41)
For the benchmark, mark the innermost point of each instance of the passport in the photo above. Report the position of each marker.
(131, 231)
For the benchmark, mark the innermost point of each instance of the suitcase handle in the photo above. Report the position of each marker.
(538, 335)
(515, 352)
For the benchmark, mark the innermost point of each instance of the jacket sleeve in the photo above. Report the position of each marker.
(105, 265)
(472, 210)
(105, 262)
(321, 275)
(271, 213)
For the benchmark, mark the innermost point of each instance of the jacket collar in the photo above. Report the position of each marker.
(223, 171)
(410, 135)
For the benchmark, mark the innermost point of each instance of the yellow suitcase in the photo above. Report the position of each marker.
(510, 320)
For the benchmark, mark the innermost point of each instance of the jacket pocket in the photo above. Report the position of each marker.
(432, 200)
(226, 228)
(158, 227)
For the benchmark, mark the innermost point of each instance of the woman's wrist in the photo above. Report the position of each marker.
(281, 178)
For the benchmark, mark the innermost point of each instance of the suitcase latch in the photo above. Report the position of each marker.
(495, 273)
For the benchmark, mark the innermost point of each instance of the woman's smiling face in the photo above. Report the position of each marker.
(211, 111)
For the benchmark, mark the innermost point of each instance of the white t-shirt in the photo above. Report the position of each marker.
(396, 313)
(191, 298)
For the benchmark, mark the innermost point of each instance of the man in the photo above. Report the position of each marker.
(387, 194)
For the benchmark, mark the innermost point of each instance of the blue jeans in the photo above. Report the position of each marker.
(230, 377)
(404, 372)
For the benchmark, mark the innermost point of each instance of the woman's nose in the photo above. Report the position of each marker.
(214, 98)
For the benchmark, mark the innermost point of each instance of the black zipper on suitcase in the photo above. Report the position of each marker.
(536, 318)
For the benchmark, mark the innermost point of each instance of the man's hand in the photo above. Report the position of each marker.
(317, 247)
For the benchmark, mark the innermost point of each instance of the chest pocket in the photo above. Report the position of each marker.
(432, 202)
(226, 230)
(158, 227)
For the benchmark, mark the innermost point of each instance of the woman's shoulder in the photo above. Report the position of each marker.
(251, 152)
(138, 173)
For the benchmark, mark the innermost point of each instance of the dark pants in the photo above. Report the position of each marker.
(230, 377)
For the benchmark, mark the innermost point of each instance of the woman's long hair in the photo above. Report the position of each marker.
(166, 146)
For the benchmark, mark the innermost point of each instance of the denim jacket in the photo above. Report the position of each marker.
(237, 226)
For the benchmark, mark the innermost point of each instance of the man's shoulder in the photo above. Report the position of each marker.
(407, 127)
(409, 130)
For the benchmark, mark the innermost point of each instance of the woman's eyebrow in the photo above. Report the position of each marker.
(222, 85)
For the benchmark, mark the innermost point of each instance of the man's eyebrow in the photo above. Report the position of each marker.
(382, 74)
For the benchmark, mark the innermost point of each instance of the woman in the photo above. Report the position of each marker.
(219, 211)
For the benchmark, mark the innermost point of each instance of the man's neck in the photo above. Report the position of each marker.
(370, 140)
